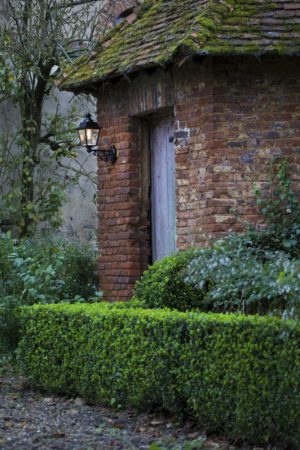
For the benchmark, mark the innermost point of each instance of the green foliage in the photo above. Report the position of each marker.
(258, 272)
(237, 375)
(162, 285)
(42, 270)
(280, 206)
(236, 275)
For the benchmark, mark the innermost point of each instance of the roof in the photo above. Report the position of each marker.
(166, 29)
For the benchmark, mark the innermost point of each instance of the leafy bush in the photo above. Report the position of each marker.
(286, 240)
(238, 375)
(239, 274)
(162, 285)
(42, 270)
(236, 275)
(258, 272)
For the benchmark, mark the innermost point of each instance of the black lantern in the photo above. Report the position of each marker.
(89, 132)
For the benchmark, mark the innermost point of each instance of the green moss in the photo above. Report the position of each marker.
(280, 48)
(209, 28)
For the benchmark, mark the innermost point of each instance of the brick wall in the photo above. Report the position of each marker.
(194, 122)
(232, 117)
(120, 230)
(252, 115)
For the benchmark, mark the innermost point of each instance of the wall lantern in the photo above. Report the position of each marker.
(89, 133)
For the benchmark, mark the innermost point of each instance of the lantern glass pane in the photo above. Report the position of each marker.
(91, 137)
(82, 137)
(96, 134)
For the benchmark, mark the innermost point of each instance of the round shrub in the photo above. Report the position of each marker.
(162, 285)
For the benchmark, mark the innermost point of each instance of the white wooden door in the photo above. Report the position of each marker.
(163, 189)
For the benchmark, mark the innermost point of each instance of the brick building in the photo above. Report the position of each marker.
(197, 97)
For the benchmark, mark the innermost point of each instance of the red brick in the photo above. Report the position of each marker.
(239, 114)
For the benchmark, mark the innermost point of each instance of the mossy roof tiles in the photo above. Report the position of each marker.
(165, 29)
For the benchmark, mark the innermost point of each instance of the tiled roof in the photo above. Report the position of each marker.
(168, 29)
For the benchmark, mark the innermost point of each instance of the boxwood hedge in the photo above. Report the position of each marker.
(238, 375)
(162, 284)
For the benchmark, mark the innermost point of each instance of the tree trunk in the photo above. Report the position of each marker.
(31, 133)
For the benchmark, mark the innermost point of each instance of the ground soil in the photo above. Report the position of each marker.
(33, 420)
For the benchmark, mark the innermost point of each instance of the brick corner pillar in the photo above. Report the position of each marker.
(121, 235)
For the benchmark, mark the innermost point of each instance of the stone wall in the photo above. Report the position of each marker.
(232, 117)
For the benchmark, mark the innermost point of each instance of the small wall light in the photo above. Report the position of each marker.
(89, 133)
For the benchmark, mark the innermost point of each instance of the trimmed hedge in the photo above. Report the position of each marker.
(238, 375)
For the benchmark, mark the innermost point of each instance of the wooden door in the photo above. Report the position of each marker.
(163, 189)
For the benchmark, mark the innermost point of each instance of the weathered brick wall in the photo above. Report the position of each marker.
(194, 122)
(120, 228)
(231, 117)
(253, 116)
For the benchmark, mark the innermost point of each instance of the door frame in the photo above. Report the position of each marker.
(148, 122)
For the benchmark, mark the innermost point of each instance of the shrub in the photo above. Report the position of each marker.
(258, 272)
(162, 285)
(285, 240)
(79, 269)
(237, 274)
(42, 270)
(236, 375)
(59, 268)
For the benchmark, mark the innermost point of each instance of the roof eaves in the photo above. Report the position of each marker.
(227, 27)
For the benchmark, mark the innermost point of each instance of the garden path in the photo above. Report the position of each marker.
(32, 420)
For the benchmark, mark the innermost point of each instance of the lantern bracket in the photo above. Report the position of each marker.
(106, 155)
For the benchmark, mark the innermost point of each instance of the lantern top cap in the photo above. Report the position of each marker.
(88, 123)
